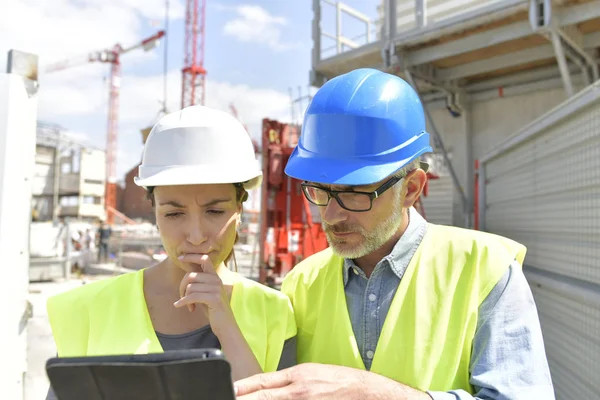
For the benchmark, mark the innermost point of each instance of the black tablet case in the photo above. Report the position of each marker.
(173, 375)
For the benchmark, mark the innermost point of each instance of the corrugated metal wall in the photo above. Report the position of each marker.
(438, 204)
(542, 188)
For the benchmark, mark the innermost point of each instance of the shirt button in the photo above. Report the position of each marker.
(355, 271)
(370, 354)
(372, 297)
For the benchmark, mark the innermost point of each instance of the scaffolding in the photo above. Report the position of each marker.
(457, 52)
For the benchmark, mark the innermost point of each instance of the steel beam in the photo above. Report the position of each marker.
(496, 63)
(518, 78)
(508, 60)
(562, 63)
(469, 43)
(439, 143)
(316, 36)
(569, 16)
(524, 88)
(421, 13)
(580, 52)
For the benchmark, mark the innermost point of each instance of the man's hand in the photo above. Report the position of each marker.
(320, 382)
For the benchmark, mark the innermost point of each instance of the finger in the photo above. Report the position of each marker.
(209, 299)
(183, 284)
(203, 277)
(197, 277)
(269, 380)
(182, 290)
(202, 260)
(282, 393)
(201, 287)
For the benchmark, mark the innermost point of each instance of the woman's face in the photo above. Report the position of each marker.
(199, 219)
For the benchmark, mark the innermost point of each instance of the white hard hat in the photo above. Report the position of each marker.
(198, 145)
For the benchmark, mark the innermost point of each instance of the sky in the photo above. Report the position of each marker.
(255, 51)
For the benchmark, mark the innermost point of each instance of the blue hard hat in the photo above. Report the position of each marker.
(359, 128)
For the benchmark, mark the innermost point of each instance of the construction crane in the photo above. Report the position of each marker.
(193, 80)
(113, 57)
(235, 114)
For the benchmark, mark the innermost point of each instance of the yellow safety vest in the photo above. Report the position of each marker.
(427, 335)
(111, 317)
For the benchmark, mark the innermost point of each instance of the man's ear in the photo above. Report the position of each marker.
(414, 183)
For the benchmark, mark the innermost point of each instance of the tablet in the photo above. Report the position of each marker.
(199, 374)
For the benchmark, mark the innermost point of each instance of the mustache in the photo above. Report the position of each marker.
(341, 228)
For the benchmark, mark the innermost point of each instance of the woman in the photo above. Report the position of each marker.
(197, 166)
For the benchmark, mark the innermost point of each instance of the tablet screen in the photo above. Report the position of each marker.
(190, 374)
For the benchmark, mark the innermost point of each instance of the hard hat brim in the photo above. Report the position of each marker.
(197, 175)
(342, 172)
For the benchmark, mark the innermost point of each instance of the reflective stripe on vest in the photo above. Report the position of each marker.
(427, 336)
(111, 317)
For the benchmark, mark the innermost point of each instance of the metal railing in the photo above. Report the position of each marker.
(371, 23)
(341, 41)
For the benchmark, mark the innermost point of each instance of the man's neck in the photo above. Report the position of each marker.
(367, 263)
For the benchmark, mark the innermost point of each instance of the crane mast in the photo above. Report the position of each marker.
(193, 79)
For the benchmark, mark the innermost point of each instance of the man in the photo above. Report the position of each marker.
(397, 308)
(104, 233)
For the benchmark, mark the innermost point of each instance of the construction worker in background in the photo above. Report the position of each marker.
(397, 308)
(104, 234)
(197, 167)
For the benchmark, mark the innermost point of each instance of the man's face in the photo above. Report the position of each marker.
(199, 219)
(356, 234)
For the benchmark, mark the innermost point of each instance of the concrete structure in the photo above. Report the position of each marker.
(79, 190)
(502, 83)
(18, 111)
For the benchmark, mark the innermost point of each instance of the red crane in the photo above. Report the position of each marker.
(113, 57)
(193, 79)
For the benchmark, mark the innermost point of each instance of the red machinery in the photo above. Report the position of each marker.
(290, 225)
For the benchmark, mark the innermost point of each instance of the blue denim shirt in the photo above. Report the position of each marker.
(508, 360)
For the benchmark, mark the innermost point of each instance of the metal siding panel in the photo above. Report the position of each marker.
(545, 192)
(570, 325)
(438, 203)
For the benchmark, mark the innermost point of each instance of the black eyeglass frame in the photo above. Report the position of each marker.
(335, 193)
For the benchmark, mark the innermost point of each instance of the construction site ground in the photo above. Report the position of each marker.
(40, 345)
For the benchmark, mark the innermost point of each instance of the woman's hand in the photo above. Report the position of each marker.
(206, 289)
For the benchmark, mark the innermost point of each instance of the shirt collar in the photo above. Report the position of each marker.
(402, 252)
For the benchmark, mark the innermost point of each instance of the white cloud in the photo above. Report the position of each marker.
(77, 98)
(141, 98)
(254, 24)
(60, 29)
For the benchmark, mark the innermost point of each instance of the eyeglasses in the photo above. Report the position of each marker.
(347, 199)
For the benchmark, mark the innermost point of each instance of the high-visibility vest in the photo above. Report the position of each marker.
(428, 333)
(111, 317)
